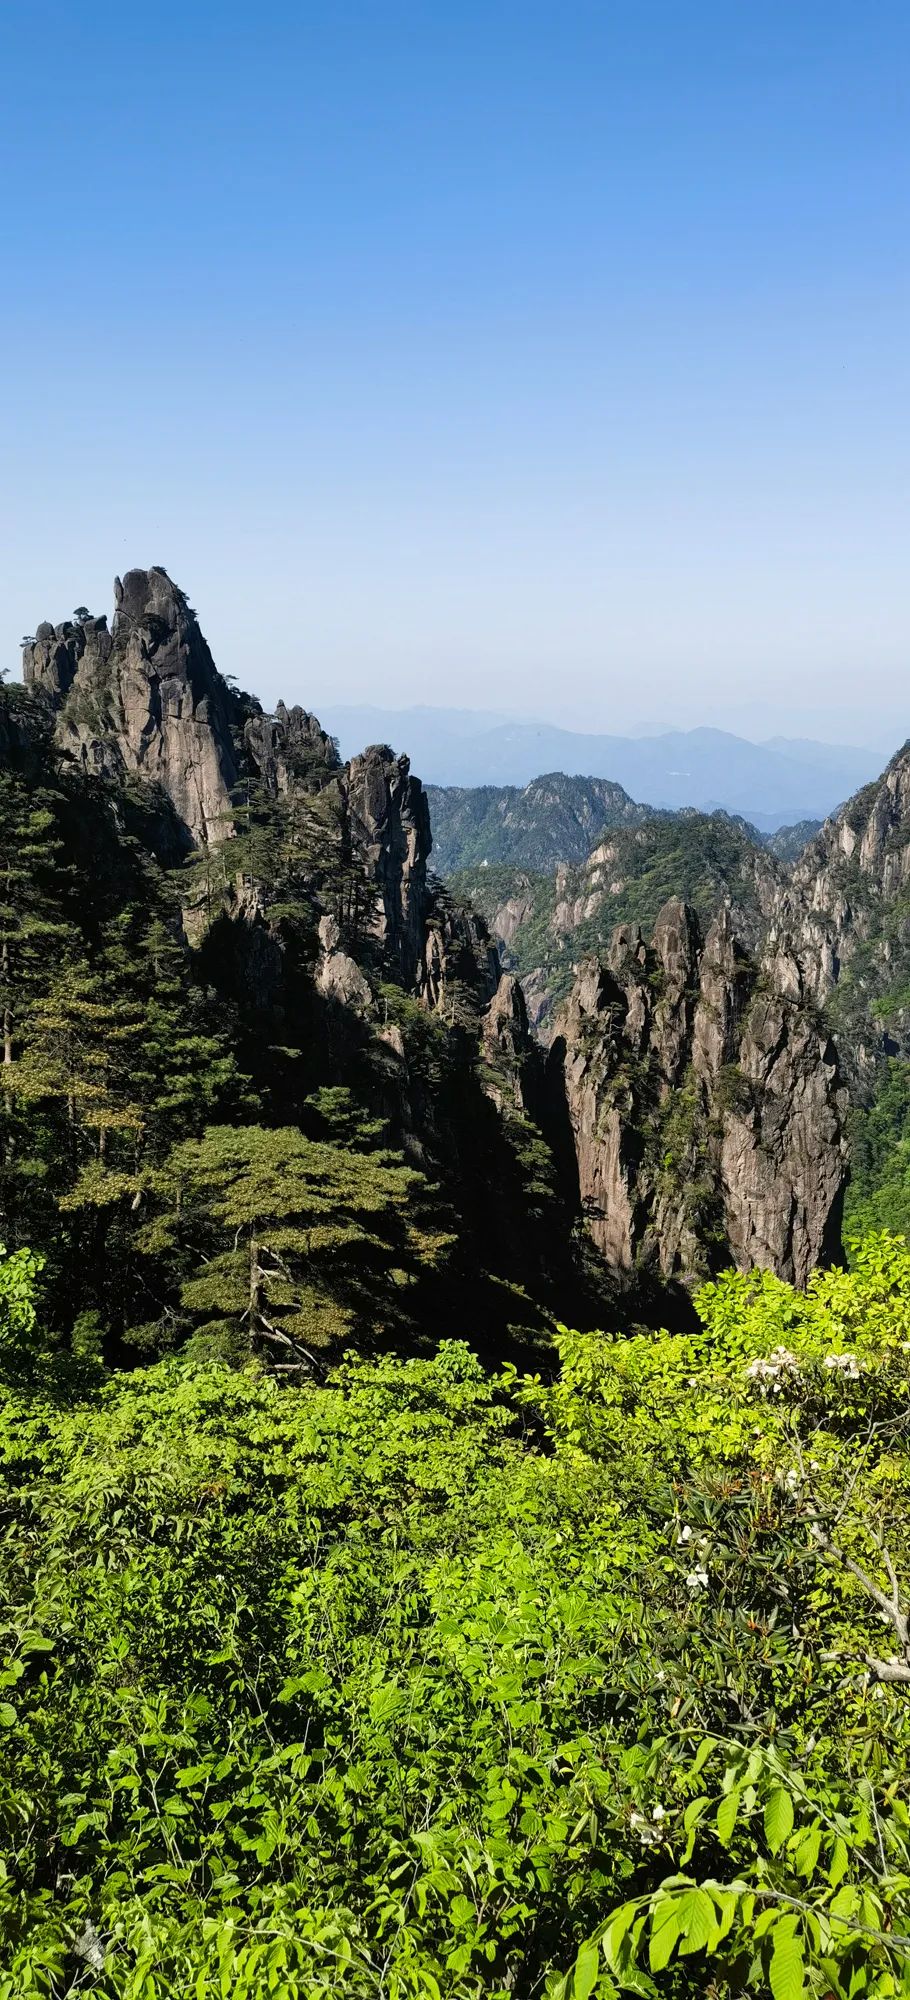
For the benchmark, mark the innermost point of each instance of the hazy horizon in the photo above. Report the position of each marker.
(553, 364)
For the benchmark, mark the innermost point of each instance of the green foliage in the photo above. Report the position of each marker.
(420, 1682)
(293, 1242)
(878, 1194)
(19, 1275)
(705, 858)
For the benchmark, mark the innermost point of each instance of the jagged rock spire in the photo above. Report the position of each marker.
(144, 698)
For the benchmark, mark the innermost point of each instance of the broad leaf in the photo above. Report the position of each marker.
(786, 1973)
(778, 1818)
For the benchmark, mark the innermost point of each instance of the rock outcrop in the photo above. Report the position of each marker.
(460, 961)
(288, 749)
(143, 699)
(338, 975)
(513, 1062)
(545, 926)
(841, 922)
(388, 828)
(704, 1104)
(691, 1096)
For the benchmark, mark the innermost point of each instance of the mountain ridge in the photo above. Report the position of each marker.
(768, 784)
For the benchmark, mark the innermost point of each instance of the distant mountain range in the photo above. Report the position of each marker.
(771, 784)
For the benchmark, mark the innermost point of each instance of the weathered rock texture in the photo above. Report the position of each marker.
(388, 824)
(700, 1090)
(144, 698)
(288, 749)
(704, 1103)
(841, 922)
(545, 926)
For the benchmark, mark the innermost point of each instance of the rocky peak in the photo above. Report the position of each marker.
(144, 698)
(289, 748)
(704, 1103)
(388, 824)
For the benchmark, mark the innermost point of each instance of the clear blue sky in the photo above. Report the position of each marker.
(552, 358)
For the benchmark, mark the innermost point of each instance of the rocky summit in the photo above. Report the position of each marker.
(142, 698)
(145, 700)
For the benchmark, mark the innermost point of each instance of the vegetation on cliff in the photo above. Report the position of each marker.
(202, 1144)
(547, 924)
(554, 818)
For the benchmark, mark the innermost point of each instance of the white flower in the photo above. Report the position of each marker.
(698, 1579)
(845, 1364)
(648, 1830)
(685, 1535)
(766, 1369)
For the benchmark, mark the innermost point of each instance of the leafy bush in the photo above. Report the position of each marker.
(425, 1683)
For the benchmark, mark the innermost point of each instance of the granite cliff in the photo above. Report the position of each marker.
(704, 1104)
(143, 698)
(843, 916)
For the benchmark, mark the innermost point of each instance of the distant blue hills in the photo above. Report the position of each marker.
(772, 783)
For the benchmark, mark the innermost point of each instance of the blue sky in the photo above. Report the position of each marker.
(547, 358)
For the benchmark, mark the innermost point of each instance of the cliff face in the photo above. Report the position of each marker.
(704, 1105)
(842, 919)
(388, 824)
(689, 1082)
(145, 699)
(288, 749)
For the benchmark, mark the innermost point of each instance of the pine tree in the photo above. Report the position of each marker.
(301, 1241)
(34, 929)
